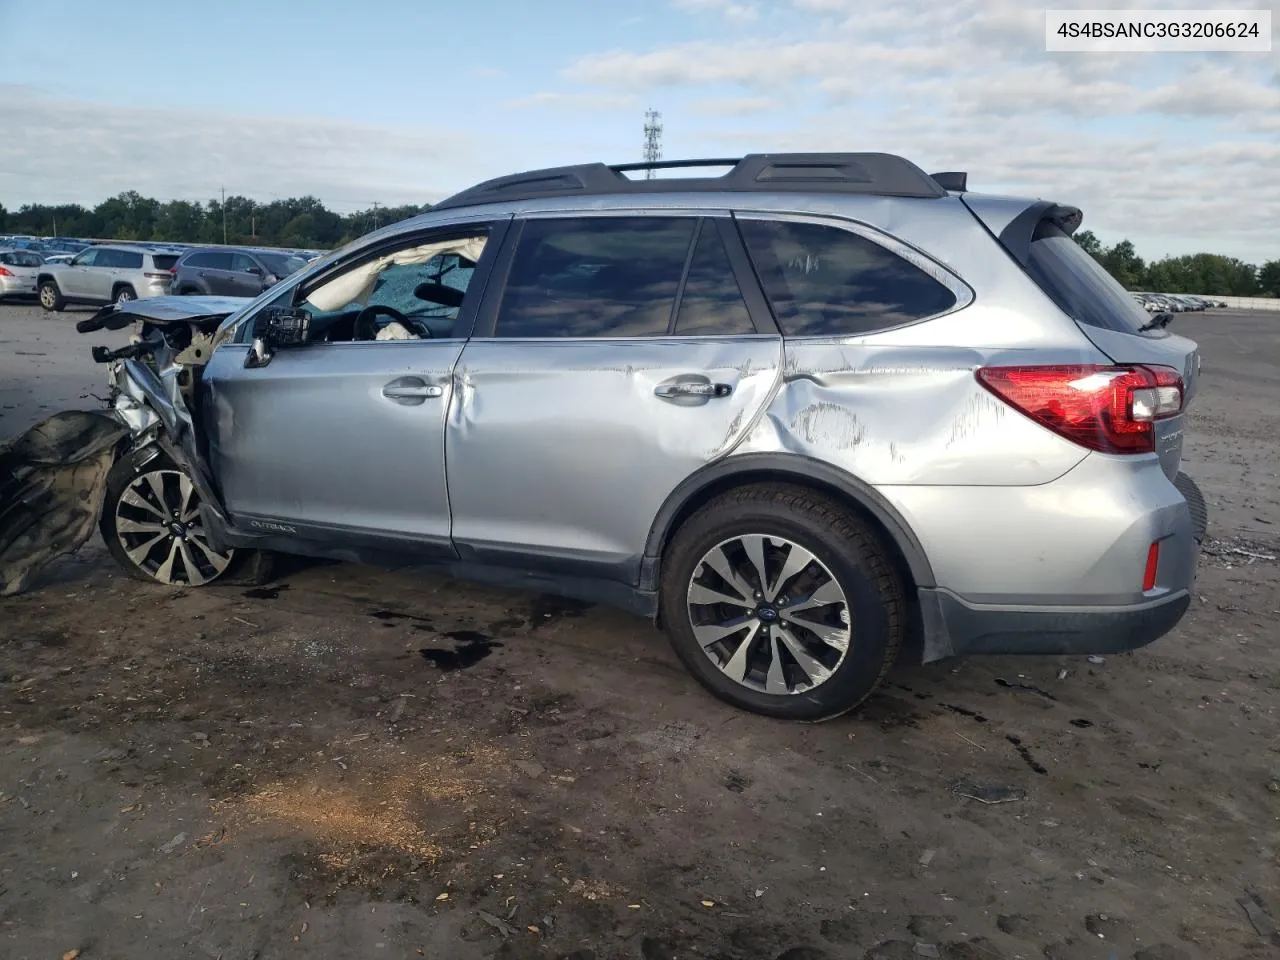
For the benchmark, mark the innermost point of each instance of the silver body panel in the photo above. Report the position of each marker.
(562, 448)
(559, 451)
(380, 465)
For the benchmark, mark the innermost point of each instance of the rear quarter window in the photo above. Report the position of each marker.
(824, 281)
(1079, 285)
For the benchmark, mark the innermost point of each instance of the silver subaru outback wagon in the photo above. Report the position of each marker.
(810, 415)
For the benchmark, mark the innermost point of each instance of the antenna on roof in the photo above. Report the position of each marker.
(652, 140)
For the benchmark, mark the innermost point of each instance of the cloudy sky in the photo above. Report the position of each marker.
(408, 101)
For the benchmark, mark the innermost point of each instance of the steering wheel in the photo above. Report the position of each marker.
(366, 329)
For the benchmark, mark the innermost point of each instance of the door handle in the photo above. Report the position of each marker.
(411, 391)
(692, 389)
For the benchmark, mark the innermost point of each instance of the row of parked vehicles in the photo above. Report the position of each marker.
(1175, 303)
(120, 272)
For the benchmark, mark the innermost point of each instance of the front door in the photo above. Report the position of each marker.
(340, 441)
(624, 353)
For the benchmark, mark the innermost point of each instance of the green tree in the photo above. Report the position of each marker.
(1269, 279)
(1123, 263)
(1089, 243)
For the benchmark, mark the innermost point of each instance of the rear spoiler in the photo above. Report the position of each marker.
(1017, 235)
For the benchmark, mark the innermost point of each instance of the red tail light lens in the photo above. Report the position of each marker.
(1105, 408)
(5, 273)
(1153, 563)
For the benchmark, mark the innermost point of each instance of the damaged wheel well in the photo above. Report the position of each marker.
(901, 545)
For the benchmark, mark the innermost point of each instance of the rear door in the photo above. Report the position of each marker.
(99, 278)
(74, 280)
(1116, 324)
(621, 353)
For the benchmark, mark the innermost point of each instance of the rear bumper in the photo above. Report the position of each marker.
(960, 628)
(17, 287)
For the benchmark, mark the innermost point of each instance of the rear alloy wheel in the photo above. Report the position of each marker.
(125, 294)
(769, 614)
(782, 602)
(151, 524)
(51, 297)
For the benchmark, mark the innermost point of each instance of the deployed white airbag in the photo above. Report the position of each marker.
(356, 285)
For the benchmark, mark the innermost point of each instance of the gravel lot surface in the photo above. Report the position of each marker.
(356, 763)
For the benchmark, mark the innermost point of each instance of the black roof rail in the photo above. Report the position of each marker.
(871, 174)
(953, 180)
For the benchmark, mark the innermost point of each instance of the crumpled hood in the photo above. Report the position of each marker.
(163, 310)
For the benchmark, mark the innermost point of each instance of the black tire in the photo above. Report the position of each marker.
(1195, 500)
(243, 566)
(853, 555)
(123, 293)
(51, 298)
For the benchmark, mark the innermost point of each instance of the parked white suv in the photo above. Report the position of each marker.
(104, 274)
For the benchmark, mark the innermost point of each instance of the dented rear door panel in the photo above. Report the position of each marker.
(563, 450)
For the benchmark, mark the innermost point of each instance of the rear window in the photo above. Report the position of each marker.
(164, 261)
(827, 282)
(22, 258)
(1079, 285)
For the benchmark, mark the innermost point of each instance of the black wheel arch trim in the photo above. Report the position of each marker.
(775, 467)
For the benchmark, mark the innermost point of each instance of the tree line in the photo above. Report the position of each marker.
(300, 222)
(1210, 274)
(305, 222)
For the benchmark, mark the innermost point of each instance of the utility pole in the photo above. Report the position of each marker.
(375, 214)
(224, 215)
(652, 139)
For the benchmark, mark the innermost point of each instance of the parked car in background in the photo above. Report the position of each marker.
(59, 257)
(102, 274)
(19, 270)
(232, 271)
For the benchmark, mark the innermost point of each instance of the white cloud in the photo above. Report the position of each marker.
(73, 151)
(733, 106)
(730, 10)
(574, 101)
(1177, 150)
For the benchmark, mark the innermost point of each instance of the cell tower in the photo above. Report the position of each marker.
(652, 139)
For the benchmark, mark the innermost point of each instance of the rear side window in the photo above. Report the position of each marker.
(124, 259)
(827, 282)
(595, 277)
(712, 303)
(1079, 285)
(164, 261)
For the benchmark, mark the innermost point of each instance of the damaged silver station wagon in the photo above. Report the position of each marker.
(805, 414)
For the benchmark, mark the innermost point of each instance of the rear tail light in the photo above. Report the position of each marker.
(173, 271)
(1105, 408)
(5, 273)
(158, 276)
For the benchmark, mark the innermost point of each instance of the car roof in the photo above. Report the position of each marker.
(874, 174)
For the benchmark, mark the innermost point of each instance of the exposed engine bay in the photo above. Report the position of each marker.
(53, 476)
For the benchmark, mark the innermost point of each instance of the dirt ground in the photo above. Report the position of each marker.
(356, 763)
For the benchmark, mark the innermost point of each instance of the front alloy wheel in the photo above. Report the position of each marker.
(769, 614)
(157, 527)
